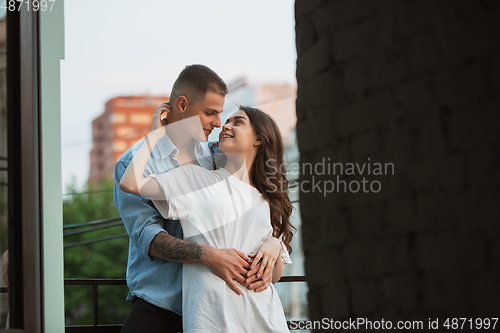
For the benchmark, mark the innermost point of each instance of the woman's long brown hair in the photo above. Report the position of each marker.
(267, 173)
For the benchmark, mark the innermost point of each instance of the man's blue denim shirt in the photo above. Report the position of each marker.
(157, 281)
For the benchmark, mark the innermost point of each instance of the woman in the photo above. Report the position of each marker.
(238, 206)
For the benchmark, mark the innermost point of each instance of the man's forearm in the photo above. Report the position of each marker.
(168, 247)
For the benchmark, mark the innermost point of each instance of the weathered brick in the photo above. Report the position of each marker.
(449, 83)
(467, 216)
(415, 98)
(433, 213)
(325, 269)
(490, 108)
(350, 121)
(401, 290)
(355, 76)
(434, 296)
(392, 256)
(386, 66)
(314, 303)
(305, 141)
(459, 130)
(334, 230)
(428, 251)
(416, 16)
(455, 39)
(494, 74)
(451, 254)
(306, 7)
(364, 146)
(400, 218)
(483, 22)
(412, 83)
(349, 10)
(460, 302)
(423, 176)
(307, 36)
(452, 173)
(423, 53)
(367, 221)
(335, 302)
(485, 294)
(364, 114)
(360, 259)
(431, 139)
(399, 143)
(324, 91)
(317, 58)
(366, 296)
(354, 40)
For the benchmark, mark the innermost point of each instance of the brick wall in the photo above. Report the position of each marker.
(416, 84)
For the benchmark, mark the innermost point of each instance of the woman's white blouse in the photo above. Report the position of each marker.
(217, 209)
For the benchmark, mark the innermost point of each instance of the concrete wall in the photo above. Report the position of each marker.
(51, 54)
(416, 84)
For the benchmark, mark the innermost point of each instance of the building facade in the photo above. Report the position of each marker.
(126, 119)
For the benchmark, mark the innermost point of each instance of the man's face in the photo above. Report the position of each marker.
(208, 110)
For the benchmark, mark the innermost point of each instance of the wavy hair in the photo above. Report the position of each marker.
(267, 176)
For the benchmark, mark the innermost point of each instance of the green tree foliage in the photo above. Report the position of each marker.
(103, 259)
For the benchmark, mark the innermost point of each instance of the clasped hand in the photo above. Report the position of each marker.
(254, 272)
(259, 277)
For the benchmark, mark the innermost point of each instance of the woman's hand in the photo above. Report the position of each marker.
(262, 264)
(160, 117)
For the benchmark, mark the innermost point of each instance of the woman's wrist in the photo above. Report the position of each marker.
(279, 241)
(281, 249)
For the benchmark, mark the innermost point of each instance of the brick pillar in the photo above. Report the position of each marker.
(415, 84)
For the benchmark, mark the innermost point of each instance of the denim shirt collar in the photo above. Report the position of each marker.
(166, 149)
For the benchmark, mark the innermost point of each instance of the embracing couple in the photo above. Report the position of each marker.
(209, 232)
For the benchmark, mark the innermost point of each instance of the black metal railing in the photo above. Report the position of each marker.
(96, 225)
(96, 327)
(95, 283)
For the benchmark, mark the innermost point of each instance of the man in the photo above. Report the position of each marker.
(156, 248)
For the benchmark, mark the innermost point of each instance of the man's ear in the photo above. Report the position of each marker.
(181, 103)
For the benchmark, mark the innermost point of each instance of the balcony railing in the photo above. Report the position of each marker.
(95, 283)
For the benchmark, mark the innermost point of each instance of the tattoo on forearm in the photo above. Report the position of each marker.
(174, 249)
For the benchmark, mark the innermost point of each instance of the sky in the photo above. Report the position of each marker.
(130, 47)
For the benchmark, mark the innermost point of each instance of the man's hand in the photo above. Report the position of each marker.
(258, 284)
(262, 264)
(160, 117)
(229, 265)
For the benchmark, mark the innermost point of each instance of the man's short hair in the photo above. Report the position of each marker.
(195, 81)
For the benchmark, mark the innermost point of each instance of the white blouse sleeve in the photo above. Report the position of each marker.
(175, 204)
(285, 256)
(180, 186)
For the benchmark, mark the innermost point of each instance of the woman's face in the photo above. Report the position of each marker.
(238, 135)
